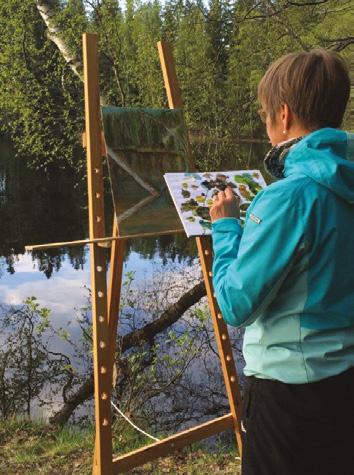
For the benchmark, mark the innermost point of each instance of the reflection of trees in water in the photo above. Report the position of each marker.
(175, 247)
(38, 207)
(52, 259)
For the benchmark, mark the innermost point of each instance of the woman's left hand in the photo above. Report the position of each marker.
(225, 205)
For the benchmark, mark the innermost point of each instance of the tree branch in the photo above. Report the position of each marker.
(339, 44)
(307, 4)
(170, 316)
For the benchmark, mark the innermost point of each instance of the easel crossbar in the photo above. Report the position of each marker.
(80, 242)
(170, 444)
(102, 242)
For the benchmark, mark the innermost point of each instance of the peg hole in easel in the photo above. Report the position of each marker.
(98, 195)
(210, 274)
(97, 171)
(101, 318)
(100, 294)
(232, 379)
(99, 268)
(228, 358)
(105, 422)
(98, 219)
(206, 252)
(102, 344)
(219, 316)
(223, 336)
(104, 396)
(103, 370)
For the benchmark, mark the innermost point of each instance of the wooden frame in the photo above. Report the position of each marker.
(105, 301)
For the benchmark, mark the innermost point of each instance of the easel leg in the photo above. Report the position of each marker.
(114, 293)
(114, 290)
(103, 438)
(97, 256)
(222, 338)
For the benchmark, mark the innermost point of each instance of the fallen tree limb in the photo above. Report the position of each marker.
(145, 334)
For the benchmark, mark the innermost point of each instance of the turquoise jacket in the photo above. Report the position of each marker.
(288, 275)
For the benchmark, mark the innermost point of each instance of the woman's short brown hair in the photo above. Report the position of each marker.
(315, 85)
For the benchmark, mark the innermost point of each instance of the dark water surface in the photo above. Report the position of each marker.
(38, 207)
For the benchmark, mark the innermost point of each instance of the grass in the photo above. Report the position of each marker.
(33, 448)
(37, 449)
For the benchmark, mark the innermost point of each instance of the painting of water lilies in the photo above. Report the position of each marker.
(192, 194)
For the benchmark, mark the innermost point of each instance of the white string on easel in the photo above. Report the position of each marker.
(132, 423)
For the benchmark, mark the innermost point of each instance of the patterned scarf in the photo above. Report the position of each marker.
(274, 160)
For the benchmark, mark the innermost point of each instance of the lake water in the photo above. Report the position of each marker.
(38, 208)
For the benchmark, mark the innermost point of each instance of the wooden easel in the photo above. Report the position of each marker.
(105, 299)
(103, 452)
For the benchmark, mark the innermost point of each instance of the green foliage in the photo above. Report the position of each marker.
(221, 51)
(40, 99)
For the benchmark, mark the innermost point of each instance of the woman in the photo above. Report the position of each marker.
(288, 275)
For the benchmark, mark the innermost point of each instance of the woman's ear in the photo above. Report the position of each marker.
(286, 118)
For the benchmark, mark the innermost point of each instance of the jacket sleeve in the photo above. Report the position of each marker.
(250, 265)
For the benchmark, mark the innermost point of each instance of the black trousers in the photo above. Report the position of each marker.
(299, 429)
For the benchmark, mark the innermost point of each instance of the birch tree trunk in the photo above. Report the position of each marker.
(47, 10)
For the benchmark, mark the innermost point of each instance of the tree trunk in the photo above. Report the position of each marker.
(47, 10)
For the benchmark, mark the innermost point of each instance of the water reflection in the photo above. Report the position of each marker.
(38, 207)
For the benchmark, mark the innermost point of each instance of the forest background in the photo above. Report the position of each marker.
(222, 49)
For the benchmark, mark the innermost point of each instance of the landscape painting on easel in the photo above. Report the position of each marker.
(193, 194)
(142, 145)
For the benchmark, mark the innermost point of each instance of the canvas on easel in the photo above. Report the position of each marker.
(142, 145)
